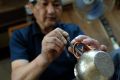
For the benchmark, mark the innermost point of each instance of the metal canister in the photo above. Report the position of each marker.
(94, 65)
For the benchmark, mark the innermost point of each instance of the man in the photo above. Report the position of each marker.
(39, 51)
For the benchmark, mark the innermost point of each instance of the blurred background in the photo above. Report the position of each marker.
(14, 15)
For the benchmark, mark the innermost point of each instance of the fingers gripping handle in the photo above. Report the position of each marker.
(78, 48)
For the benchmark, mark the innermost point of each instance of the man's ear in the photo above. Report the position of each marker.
(29, 8)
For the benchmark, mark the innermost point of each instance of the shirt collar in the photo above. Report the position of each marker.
(36, 29)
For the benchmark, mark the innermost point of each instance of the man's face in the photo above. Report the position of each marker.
(47, 12)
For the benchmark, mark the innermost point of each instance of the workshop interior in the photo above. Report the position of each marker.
(99, 19)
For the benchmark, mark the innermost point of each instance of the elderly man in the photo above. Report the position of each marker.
(39, 50)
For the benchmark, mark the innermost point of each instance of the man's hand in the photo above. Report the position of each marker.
(88, 41)
(53, 44)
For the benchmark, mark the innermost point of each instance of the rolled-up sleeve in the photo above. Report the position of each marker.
(18, 46)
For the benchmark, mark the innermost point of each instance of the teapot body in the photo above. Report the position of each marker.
(94, 65)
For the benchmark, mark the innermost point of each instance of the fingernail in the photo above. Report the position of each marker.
(73, 41)
(65, 33)
(76, 37)
(65, 42)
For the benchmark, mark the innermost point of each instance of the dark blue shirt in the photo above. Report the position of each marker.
(26, 44)
(116, 59)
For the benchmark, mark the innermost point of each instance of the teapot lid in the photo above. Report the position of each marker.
(104, 63)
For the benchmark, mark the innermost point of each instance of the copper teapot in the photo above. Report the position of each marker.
(92, 64)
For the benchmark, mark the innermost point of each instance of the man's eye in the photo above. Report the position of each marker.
(56, 4)
(44, 4)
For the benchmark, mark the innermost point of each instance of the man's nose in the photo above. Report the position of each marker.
(50, 9)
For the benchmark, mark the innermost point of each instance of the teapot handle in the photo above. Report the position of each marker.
(79, 48)
(79, 51)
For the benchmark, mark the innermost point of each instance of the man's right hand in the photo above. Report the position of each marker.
(53, 44)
